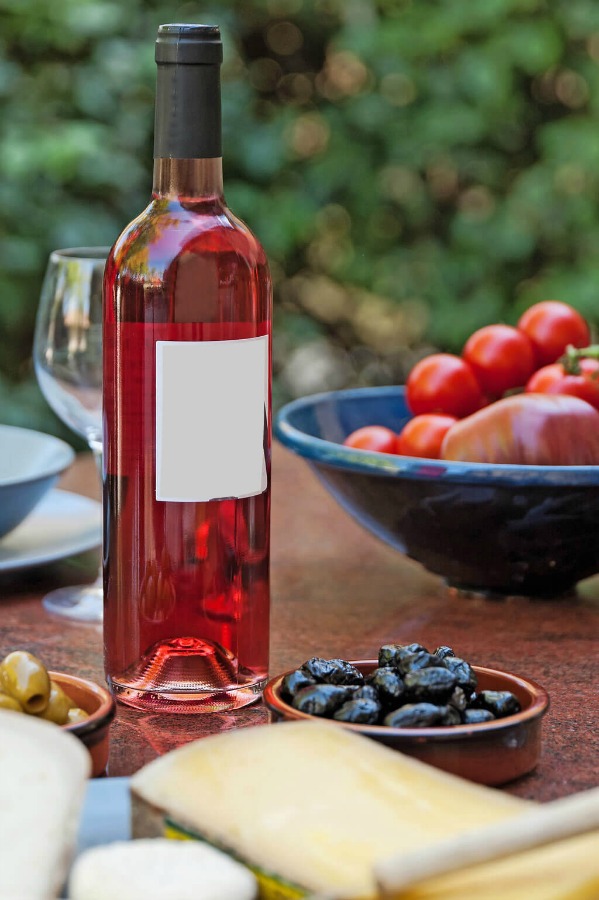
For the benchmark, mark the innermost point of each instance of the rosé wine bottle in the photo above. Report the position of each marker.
(187, 417)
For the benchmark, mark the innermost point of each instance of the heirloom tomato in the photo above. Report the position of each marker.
(423, 435)
(501, 357)
(373, 437)
(552, 326)
(443, 383)
(528, 429)
(555, 380)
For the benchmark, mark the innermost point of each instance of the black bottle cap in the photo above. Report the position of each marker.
(182, 44)
(188, 115)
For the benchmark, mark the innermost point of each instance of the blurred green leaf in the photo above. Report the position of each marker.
(424, 167)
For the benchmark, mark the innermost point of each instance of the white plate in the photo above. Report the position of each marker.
(106, 814)
(61, 525)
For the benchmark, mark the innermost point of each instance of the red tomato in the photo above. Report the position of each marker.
(443, 383)
(528, 429)
(423, 435)
(501, 357)
(551, 326)
(373, 437)
(554, 380)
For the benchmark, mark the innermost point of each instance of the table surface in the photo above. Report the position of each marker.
(337, 591)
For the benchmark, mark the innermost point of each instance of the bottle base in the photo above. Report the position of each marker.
(187, 675)
(200, 702)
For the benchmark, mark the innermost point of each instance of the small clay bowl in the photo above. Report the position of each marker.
(491, 753)
(94, 731)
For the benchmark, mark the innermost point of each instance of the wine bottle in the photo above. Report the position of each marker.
(187, 417)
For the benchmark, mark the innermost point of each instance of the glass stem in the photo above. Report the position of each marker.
(96, 448)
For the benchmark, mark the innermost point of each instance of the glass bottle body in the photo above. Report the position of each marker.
(186, 617)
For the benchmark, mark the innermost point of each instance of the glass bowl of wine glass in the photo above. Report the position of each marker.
(67, 355)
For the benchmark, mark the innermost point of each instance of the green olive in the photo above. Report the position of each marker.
(76, 715)
(25, 678)
(58, 706)
(8, 702)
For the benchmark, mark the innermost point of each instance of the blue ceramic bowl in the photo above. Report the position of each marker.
(30, 463)
(505, 529)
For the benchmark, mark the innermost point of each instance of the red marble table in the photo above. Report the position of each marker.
(337, 591)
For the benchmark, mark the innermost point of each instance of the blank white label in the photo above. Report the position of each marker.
(211, 406)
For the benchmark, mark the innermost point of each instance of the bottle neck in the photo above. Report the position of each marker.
(187, 130)
(188, 178)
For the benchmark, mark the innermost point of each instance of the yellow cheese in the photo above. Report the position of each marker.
(310, 807)
(312, 803)
(568, 870)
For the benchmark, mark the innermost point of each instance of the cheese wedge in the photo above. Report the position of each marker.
(43, 772)
(308, 806)
(157, 869)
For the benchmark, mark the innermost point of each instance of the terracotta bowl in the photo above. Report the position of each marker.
(491, 753)
(94, 732)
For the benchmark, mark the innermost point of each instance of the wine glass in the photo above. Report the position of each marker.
(67, 355)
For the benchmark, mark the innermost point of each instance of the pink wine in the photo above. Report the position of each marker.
(187, 354)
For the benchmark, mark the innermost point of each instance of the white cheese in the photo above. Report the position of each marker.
(159, 870)
(43, 771)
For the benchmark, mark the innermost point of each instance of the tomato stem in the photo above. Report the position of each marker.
(571, 358)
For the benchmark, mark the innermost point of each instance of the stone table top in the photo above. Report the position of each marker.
(337, 591)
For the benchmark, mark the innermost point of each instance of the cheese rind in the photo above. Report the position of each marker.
(272, 885)
(43, 772)
(312, 802)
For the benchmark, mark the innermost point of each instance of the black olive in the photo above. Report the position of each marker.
(415, 715)
(390, 654)
(452, 716)
(321, 699)
(419, 660)
(435, 689)
(393, 654)
(366, 712)
(367, 692)
(500, 703)
(342, 672)
(476, 716)
(318, 668)
(294, 682)
(415, 648)
(388, 683)
(463, 671)
(458, 699)
(430, 684)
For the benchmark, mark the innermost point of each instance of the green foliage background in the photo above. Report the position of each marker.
(414, 168)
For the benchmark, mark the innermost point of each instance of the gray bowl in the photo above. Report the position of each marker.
(30, 463)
